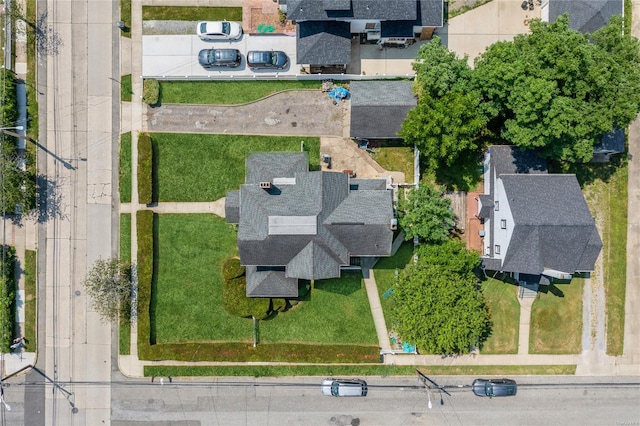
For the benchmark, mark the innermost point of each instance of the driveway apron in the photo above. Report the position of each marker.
(301, 113)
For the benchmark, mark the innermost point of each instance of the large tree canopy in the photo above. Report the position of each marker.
(558, 90)
(447, 119)
(108, 284)
(425, 213)
(437, 303)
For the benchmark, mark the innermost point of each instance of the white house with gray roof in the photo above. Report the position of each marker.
(537, 226)
(295, 224)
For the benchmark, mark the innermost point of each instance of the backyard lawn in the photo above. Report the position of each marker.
(556, 319)
(337, 312)
(197, 167)
(186, 298)
(385, 272)
(399, 159)
(504, 309)
(225, 92)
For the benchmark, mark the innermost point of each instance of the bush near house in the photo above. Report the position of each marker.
(151, 91)
(145, 169)
(7, 297)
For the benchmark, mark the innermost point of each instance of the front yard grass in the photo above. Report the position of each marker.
(187, 293)
(124, 327)
(191, 13)
(398, 159)
(337, 312)
(504, 308)
(125, 168)
(30, 299)
(199, 167)
(386, 271)
(126, 88)
(226, 92)
(556, 319)
(360, 370)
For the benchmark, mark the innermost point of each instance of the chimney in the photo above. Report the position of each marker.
(265, 185)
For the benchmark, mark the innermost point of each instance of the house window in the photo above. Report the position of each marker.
(503, 223)
(497, 249)
(497, 205)
(370, 26)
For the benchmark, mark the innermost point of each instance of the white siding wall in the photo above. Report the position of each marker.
(501, 236)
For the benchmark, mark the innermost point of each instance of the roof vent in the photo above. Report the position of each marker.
(265, 185)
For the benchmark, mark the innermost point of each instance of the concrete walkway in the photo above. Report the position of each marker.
(215, 207)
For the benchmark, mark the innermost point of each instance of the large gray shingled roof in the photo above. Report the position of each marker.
(307, 224)
(585, 16)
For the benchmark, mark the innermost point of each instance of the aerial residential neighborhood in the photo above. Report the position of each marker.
(375, 212)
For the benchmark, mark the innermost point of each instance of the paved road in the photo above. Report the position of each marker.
(299, 113)
(391, 401)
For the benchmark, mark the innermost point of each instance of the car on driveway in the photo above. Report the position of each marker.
(209, 58)
(344, 387)
(494, 387)
(219, 30)
(267, 59)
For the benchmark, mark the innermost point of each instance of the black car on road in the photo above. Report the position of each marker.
(494, 387)
(267, 59)
(220, 58)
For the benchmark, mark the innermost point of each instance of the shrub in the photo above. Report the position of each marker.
(151, 91)
(232, 269)
(278, 305)
(7, 297)
(236, 302)
(144, 219)
(145, 169)
(9, 104)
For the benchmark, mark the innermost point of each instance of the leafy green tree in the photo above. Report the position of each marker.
(426, 213)
(108, 283)
(437, 303)
(447, 120)
(557, 90)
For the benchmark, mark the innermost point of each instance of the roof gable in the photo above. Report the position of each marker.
(585, 16)
(323, 43)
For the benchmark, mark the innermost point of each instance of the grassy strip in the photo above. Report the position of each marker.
(125, 168)
(504, 309)
(615, 261)
(397, 159)
(124, 329)
(30, 300)
(126, 88)
(125, 16)
(7, 297)
(191, 13)
(32, 92)
(385, 272)
(225, 92)
(556, 319)
(144, 235)
(145, 169)
(202, 167)
(359, 370)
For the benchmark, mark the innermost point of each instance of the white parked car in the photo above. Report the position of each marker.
(219, 30)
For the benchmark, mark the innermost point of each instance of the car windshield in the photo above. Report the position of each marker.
(203, 28)
(334, 389)
(488, 389)
(226, 28)
(274, 59)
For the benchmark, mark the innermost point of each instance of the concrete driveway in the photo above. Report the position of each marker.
(300, 113)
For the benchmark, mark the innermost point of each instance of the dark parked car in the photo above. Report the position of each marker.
(494, 387)
(220, 58)
(344, 387)
(267, 59)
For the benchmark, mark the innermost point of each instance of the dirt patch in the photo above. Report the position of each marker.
(261, 21)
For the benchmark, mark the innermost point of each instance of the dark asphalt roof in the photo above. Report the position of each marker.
(585, 16)
(378, 108)
(317, 10)
(612, 142)
(511, 159)
(323, 43)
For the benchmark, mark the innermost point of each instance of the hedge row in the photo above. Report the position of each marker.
(145, 169)
(148, 349)
(7, 298)
(9, 104)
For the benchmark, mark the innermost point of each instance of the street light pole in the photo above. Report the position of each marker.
(7, 406)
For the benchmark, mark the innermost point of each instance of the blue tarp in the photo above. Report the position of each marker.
(339, 93)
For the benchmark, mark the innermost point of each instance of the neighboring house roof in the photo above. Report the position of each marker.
(307, 224)
(323, 43)
(585, 16)
(553, 225)
(321, 10)
(610, 143)
(432, 13)
(378, 108)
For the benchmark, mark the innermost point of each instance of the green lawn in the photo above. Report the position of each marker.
(359, 370)
(125, 168)
(385, 272)
(126, 88)
(504, 309)
(191, 13)
(225, 92)
(124, 329)
(337, 312)
(30, 294)
(399, 159)
(188, 285)
(556, 319)
(198, 167)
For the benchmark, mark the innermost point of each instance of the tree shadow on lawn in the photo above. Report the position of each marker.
(587, 173)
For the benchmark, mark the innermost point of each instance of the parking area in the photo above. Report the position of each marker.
(176, 56)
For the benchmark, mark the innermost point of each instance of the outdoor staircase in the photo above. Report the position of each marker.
(528, 291)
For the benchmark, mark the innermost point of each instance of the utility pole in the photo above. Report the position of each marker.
(429, 385)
